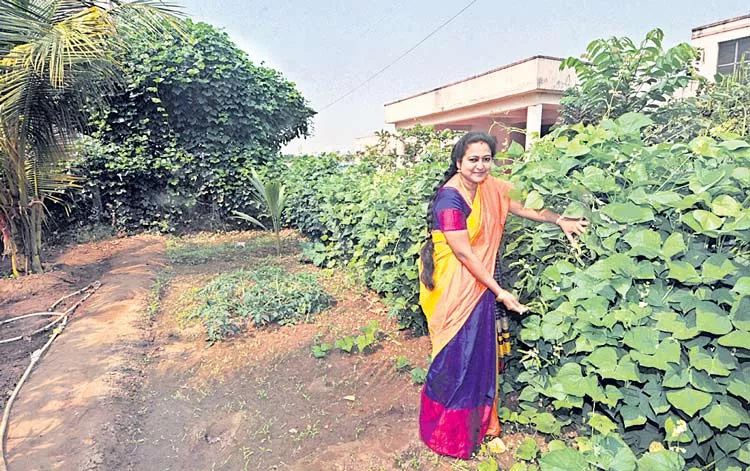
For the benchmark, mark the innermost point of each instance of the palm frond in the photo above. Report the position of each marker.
(247, 217)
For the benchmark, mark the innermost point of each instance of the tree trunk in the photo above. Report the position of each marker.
(8, 245)
(36, 237)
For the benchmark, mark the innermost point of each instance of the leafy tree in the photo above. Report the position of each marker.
(180, 139)
(616, 76)
(54, 57)
(408, 146)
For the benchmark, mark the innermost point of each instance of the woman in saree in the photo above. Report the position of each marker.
(466, 217)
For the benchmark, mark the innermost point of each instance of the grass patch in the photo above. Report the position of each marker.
(198, 252)
(157, 291)
(264, 295)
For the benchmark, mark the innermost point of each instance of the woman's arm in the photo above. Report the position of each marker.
(569, 227)
(459, 243)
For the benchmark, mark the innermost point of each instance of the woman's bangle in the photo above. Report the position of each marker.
(559, 218)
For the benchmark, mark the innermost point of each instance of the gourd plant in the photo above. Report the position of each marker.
(643, 332)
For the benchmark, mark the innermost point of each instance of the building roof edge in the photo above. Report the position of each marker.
(475, 76)
(722, 22)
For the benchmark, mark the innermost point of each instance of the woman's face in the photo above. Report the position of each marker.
(476, 163)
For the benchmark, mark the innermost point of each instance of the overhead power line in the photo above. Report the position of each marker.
(373, 76)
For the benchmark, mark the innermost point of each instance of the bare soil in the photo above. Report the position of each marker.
(130, 385)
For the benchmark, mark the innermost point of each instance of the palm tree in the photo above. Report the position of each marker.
(56, 60)
(271, 195)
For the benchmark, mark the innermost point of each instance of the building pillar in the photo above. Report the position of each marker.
(533, 124)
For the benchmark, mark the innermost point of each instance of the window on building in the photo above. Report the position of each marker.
(731, 54)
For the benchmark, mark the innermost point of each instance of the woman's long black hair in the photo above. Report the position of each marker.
(459, 149)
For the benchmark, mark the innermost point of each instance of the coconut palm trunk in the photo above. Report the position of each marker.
(55, 58)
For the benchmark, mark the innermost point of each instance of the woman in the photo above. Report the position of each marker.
(458, 294)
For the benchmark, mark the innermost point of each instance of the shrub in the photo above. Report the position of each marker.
(616, 76)
(647, 326)
(265, 295)
(368, 221)
(178, 142)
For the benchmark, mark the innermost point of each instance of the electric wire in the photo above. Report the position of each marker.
(376, 74)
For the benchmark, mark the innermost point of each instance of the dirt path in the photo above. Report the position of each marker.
(74, 408)
(130, 386)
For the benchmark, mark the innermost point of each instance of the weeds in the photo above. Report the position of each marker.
(418, 375)
(265, 295)
(188, 252)
(157, 291)
(367, 341)
(402, 364)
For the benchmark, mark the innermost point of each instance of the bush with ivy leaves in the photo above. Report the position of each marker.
(644, 332)
(178, 142)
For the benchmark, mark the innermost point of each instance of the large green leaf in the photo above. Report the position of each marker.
(709, 317)
(744, 453)
(661, 461)
(571, 379)
(704, 146)
(683, 272)
(675, 324)
(644, 242)
(723, 415)
(547, 423)
(628, 213)
(674, 245)
(739, 383)
(576, 149)
(534, 200)
(716, 268)
(668, 351)
(632, 416)
(703, 221)
(705, 382)
(676, 377)
(718, 364)
(742, 286)
(642, 339)
(689, 400)
(740, 314)
(603, 358)
(632, 123)
(626, 370)
(566, 459)
(737, 338)
(725, 205)
(601, 423)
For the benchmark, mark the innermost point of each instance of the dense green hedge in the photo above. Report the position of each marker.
(176, 145)
(641, 335)
(648, 327)
(370, 221)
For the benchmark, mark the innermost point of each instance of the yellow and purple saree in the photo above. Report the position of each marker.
(459, 397)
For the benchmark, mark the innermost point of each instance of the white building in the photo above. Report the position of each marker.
(526, 95)
(724, 44)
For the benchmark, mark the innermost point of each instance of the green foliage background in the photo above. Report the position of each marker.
(366, 220)
(648, 325)
(178, 143)
(644, 327)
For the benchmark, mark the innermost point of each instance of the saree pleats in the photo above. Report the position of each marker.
(459, 393)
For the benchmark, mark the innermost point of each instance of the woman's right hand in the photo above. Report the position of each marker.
(511, 302)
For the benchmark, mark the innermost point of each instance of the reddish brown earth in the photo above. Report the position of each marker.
(122, 389)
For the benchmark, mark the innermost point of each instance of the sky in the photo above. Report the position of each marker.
(329, 47)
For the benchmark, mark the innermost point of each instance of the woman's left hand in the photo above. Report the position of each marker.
(572, 227)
